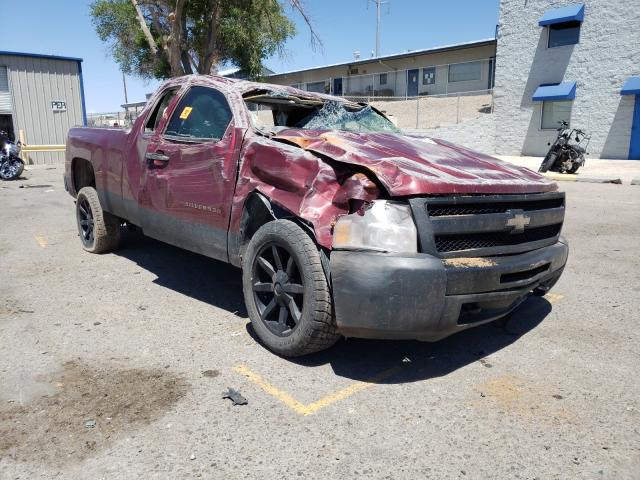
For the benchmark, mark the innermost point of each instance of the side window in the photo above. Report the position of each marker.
(429, 76)
(156, 115)
(202, 114)
(567, 33)
(463, 72)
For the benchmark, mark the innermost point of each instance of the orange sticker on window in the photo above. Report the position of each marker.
(185, 113)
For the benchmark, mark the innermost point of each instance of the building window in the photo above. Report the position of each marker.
(429, 76)
(554, 112)
(383, 79)
(464, 72)
(567, 33)
(317, 87)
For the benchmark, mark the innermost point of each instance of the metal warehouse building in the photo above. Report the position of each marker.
(41, 97)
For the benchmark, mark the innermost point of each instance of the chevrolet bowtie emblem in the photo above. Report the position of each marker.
(517, 221)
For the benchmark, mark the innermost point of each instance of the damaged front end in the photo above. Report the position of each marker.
(401, 219)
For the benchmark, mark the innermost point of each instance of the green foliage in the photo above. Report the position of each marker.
(116, 25)
(239, 32)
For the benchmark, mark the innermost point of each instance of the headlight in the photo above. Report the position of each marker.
(385, 227)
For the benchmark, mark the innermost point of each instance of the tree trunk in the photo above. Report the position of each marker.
(176, 40)
(209, 57)
(145, 28)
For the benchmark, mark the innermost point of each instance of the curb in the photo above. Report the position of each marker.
(567, 177)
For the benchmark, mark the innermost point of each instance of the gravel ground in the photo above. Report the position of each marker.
(113, 366)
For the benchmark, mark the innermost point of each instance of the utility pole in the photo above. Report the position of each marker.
(378, 3)
(126, 98)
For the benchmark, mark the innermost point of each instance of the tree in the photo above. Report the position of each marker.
(169, 38)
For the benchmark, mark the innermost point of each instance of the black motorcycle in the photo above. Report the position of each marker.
(11, 165)
(566, 156)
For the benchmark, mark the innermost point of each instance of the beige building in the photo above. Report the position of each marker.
(463, 67)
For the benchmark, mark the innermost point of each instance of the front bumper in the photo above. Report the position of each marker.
(419, 296)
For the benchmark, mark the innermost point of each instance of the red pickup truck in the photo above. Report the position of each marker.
(342, 224)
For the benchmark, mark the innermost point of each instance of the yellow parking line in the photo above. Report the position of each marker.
(565, 177)
(303, 409)
(553, 297)
(41, 241)
(284, 397)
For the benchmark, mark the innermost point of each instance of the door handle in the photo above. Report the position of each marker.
(156, 159)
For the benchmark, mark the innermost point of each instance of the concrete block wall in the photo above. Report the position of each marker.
(471, 133)
(607, 54)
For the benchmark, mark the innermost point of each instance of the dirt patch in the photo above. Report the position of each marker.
(512, 394)
(91, 409)
(469, 262)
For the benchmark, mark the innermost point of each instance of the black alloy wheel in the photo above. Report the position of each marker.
(278, 289)
(86, 222)
(286, 290)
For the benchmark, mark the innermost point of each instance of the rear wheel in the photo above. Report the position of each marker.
(574, 168)
(99, 230)
(286, 291)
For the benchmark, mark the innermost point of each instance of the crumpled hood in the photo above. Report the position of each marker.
(413, 165)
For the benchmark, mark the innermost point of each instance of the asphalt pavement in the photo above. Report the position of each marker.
(115, 366)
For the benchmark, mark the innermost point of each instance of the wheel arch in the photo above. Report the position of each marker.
(82, 174)
(258, 210)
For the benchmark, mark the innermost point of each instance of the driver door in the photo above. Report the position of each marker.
(190, 174)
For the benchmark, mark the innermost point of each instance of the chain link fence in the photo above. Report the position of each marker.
(109, 119)
(432, 111)
(409, 113)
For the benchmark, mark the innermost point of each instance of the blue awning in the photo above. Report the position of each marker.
(561, 91)
(631, 86)
(570, 13)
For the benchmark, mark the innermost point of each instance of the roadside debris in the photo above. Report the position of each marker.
(234, 396)
(210, 373)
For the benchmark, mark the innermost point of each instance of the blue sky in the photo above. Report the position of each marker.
(63, 27)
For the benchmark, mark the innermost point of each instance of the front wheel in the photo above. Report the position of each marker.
(286, 291)
(548, 162)
(11, 169)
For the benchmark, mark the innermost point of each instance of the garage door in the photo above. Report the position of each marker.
(5, 95)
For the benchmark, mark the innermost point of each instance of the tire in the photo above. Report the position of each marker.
(99, 230)
(12, 169)
(547, 163)
(286, 291)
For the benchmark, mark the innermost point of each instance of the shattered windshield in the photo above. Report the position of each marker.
(335, 116)
(274, 111)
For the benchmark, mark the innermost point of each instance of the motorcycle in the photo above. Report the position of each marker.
(565, 156)
(11, 165)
